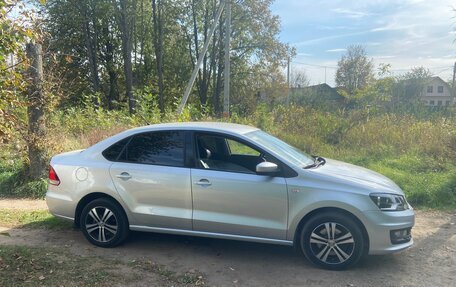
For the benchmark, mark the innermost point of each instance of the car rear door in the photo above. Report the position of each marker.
(151, 178)
(229, 197)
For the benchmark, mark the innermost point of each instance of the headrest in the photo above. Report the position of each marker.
(205, 153)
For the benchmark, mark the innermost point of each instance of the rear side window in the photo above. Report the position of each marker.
(112, 153)
(160, 148)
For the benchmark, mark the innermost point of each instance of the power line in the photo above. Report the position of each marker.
(392, 70)
(314, 65)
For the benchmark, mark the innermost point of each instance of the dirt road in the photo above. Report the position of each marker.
(431, 262)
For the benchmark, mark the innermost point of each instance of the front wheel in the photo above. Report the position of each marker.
(104, 223)
(333, 241)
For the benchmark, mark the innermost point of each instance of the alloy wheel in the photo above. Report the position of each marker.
(101, 224)
(332, 243)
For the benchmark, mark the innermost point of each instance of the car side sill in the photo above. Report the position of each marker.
(210, 234)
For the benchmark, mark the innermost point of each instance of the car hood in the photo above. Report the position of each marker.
(353, 175)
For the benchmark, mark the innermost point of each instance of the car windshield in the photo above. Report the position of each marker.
(281, 148)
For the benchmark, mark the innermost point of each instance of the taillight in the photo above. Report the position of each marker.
(53, 177)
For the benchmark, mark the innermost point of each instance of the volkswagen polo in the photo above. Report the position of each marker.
(228, 181)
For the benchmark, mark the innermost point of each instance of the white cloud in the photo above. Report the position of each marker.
(392, 27)
(304, 54)
(327, 38)
(351, 13)
(379, 57)
(337, 50)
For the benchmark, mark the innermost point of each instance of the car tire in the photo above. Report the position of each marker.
(332, 240)
(104, 223)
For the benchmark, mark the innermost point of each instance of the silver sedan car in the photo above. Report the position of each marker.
(228, 181)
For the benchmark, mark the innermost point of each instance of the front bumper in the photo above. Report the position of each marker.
(379, 225)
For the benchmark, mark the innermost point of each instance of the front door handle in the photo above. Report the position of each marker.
(203, 182)
(124, 175)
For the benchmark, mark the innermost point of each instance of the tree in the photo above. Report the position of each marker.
(156, 43)
(354, 69)
(12, 63)
(299, 79)
(410, 86)
(22, 99)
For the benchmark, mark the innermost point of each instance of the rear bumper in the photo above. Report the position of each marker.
(60, 205)
(379, 226)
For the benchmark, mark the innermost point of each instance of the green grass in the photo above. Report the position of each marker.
(14, 182)
(426, 182)
(31, 219)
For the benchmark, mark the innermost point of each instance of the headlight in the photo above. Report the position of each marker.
(389, 202)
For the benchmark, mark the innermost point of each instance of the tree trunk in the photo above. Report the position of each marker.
(126, 52)
(218, 78)
(36, 118)
(109, 58)
(158, 46)
(90, 42)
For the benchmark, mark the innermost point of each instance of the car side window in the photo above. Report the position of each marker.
(112, 153)
(226, 154)
(160, 148)
(237, 148)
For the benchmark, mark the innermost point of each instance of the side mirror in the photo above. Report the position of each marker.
(267, 168)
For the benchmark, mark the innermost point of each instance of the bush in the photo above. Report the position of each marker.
(418, 153)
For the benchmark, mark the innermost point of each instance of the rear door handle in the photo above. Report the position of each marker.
(124, 175)
(203, 182)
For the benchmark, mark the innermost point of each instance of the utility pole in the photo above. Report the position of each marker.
(454, 73)
(226, 72)
(288, 80)
(325, 74)
(200, 59)
(453, 87)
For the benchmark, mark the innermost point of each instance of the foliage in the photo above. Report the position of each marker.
(12, 63)
(409, 88)
(15, 183)
(87, 39)
(299, 79)
(354, 69)
(419, 153)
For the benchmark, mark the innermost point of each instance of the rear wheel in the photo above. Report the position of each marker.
(104, 223)
(333, 241)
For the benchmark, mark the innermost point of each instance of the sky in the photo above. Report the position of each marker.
(403, 33)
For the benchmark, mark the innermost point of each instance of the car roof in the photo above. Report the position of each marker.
(202, 126)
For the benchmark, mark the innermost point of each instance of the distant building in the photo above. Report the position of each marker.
(437, 92)
(317, 94)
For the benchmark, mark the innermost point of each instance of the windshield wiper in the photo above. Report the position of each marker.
(318, 160)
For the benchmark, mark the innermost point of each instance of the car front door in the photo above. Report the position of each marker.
(153, 181)
(229, 197)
